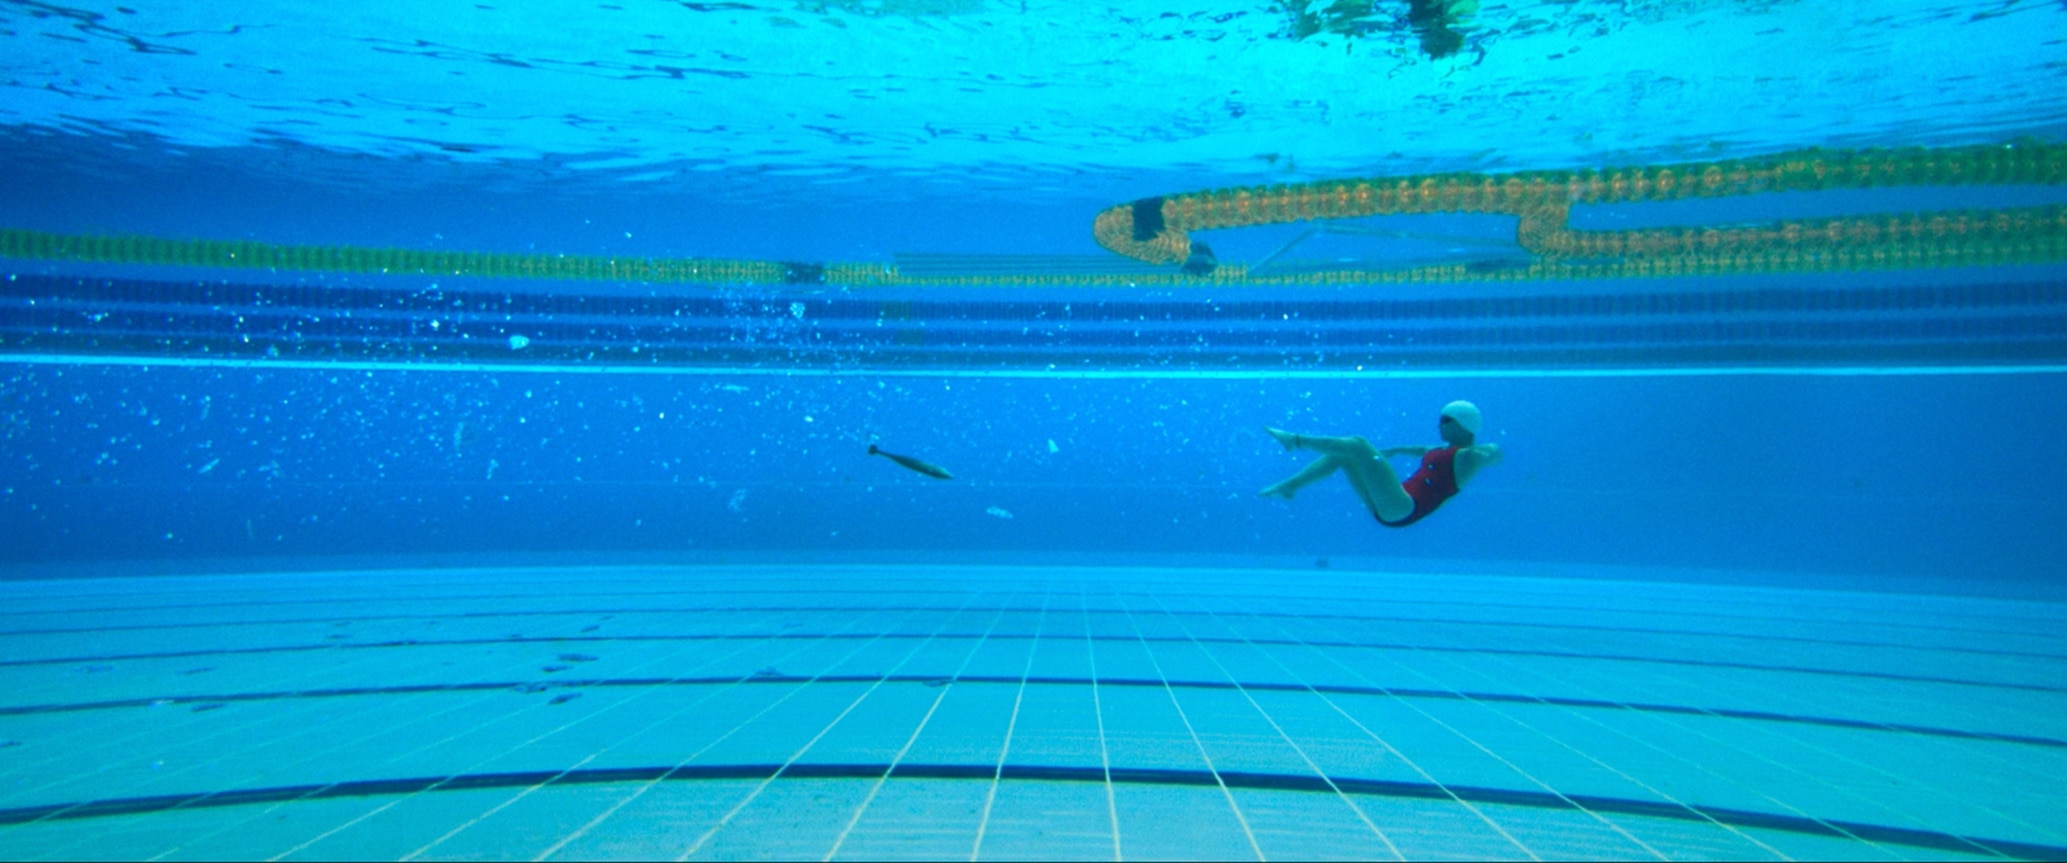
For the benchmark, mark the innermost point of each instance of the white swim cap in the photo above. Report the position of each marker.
(1466, 414)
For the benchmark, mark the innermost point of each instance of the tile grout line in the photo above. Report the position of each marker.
(528, 791)
(1233, 807)
(763, 786)
(649, 785)
(400, 800)
(1282, 734)
(1617, 828)
(1498, 710)
(253, 722)
(1011, 726)
(897, 759)
(484, 697)
(1835, 828)
(1381, 741)
(1112, 805)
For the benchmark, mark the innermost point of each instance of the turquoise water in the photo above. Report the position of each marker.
(335, 565)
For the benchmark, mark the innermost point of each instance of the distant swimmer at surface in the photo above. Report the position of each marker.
(933, 470)
(1444, 470)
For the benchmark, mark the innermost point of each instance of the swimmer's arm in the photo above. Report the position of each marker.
(1396, 451)
(1483, 454)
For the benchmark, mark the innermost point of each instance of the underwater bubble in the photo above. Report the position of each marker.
(517, 343)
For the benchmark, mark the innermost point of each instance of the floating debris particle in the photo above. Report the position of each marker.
(998, 511)
(528, 688)
(554, 669)
(563, 699)
(576, 657)
(204, 708)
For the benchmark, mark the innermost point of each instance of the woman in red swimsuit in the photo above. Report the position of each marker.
(1443, 470)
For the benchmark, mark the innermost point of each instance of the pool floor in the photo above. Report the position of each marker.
(915, 712)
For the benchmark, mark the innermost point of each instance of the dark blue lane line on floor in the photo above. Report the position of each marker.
(535, 686)
(1363, 645)
(1308, 783)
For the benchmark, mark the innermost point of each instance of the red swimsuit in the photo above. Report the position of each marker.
(1434, 483)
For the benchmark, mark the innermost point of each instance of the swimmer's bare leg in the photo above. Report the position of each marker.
(1378, 487)
(1346, 447)
(1315, 471)
(1374, 481)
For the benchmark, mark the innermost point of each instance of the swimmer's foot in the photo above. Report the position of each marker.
(1284, 438)
(1281, 491)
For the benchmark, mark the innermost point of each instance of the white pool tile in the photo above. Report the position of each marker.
(1310, 826)
(259, 832)
(1179, 823)
(877, 728)
(788, 820)
(968, 726)
(1442, 830)
(1057, 725)
(1438, 708)
(659, 821)
(401, 825)
(1048, 820)
(526, 825)
(1143, 729)
(930, 820)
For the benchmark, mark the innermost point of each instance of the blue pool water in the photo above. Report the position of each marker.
(334, 563)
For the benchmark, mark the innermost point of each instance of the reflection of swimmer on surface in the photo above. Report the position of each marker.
(1443, 470)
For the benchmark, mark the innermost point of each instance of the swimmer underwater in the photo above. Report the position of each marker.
(1443, 471)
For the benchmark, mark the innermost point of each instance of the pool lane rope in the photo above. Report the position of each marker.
(1157, 230)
